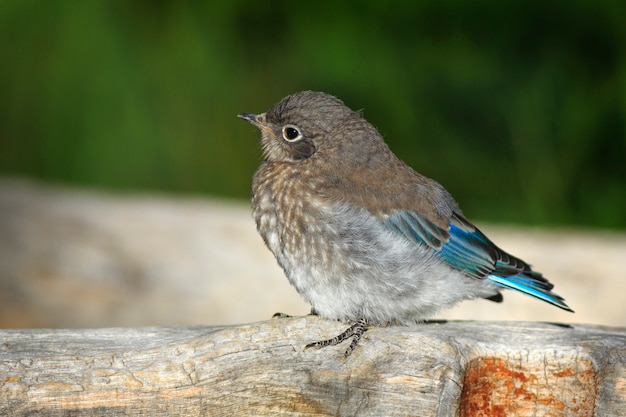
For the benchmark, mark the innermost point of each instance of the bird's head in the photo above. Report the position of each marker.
(300, 125)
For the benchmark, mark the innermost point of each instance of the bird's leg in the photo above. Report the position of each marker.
(355, 331)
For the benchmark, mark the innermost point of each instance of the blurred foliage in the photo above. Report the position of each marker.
(518, 108)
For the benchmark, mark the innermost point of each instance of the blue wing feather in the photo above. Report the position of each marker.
(416, 229)
(466, 248)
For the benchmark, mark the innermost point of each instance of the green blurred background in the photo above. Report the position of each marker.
(517, 108)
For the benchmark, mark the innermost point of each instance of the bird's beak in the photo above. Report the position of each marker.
(257, 120)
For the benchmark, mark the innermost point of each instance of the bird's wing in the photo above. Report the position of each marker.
(464, 247)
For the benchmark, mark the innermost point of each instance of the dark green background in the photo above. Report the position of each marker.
(518, 108)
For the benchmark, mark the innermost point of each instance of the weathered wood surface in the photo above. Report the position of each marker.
(434, 369)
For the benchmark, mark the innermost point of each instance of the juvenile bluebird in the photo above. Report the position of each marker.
(361, 236)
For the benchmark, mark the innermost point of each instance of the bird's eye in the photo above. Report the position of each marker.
(291, 133)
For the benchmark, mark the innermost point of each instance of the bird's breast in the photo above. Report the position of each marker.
(288, 212)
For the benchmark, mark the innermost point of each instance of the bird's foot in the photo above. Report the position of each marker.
(281, 315)
(355, 332)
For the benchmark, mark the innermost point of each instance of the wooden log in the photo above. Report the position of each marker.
(259, 369)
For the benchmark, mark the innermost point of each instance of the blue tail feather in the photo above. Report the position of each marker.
(465, 248)
(530, 286)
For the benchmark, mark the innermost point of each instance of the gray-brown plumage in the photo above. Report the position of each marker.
(362, 236)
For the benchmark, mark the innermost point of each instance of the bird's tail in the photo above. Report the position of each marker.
(532, 284)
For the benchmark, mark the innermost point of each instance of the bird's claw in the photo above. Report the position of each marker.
(355, 332)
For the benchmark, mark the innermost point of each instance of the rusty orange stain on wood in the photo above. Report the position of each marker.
(494, 387)
(564, 372)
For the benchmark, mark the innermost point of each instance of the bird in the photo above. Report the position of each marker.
(363, 237)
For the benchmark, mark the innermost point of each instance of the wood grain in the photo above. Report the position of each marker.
(259, 369)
